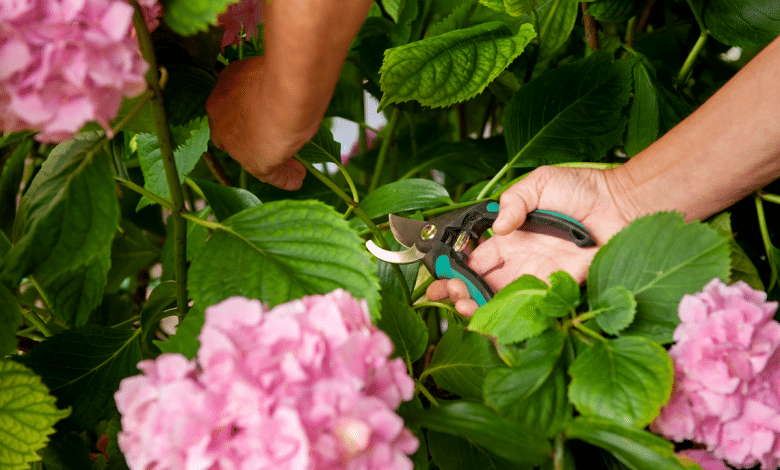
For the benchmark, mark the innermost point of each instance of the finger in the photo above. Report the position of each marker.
(437, 290)
(466, 307)
(519, 200)
(485, 257)
(289, 175)
(457, 290)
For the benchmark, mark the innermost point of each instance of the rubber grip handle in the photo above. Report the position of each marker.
(446, 263)
(558, 225)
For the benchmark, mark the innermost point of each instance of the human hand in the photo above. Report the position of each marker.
(594, 197)
(256, 126)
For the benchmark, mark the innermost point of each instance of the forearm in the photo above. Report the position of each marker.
(306, 43)
(724, 151)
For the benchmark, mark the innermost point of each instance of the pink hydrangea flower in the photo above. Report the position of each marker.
(705, 460)
(726, 392)
(306, 385)
(244, 13)
(64, 63)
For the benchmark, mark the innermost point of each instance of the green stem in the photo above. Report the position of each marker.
(206, 223)
(559, 454)
(579, 326)
(127, 322)
(37, 321)
(387, 140)
(766, 239)
(166, 154)
(682, 77)
(378, 238)
(421, 388)
(769, 197)
(493, 182)
(446, 307)
(144, 192)
(147, 95)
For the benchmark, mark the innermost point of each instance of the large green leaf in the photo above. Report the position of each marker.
(408, 10)
(465, 161)
(658, 258)
(455, 453)
(224, 200)
(321, 148)
(461, 361)
(187, 17)
(11, 173)
(742, 268)
(452, 67)
(507, 439)
(405, 195)
(556, 22)
(186, 156)
(741, 22)
(616, 309)
(27, 415)
(68, 215)
(637, 449)
(533, 391)
(191, 86)
(405, 328)
(83, 367)
(572, 113)
(281, 251)
(10, 320)
(612, 10)
(512, 7)
(458, 19)
(626, 380)
(131, 251)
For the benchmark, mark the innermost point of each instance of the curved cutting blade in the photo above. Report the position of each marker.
(406, 231)
(396, 257)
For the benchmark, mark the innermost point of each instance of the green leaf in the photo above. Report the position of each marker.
(452, 67)
(654, 109)
(556, 23)
(741, 22)
(72, 295)
(458, 19)
(506, 439)
(617, 309)
(224, 200)
(405, 195)
(465, 161)
(534, 390)
(68, 215)
(455, 453)
(626, 380)
(659, 258)
(27, 415)
(131, 251)
(514, 313)
(512, 7)
(11, 173)
(281, 251)
(10, 321)
(186, 156)
(388, 280)
(321, 148)
(185, 341)
(637, 449)
(612, 10)
(83, 367)
(187, 17)
(191, 86)
(461, 361)
(160, 300)
(405, 328)
(67, 451)
(742, 268)
(407, 13)
(392, 8)
(572, 113)
(563, 296)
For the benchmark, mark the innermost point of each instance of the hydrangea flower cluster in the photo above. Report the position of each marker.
(306, 385)
(64, 63)
(726, 391)
(246, 13)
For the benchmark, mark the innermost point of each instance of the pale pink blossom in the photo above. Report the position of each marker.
(64, 63)
(726, 392)
(306, 385)
(705, 460)
(244, 13)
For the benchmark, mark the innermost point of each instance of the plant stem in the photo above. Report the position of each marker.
(217, 169)
(767, 240)
(387, 140)
(166, 154)
(769, 197)
(642, 23)
(127, 322)
(144, 192)
(378, 238)
(421, 388)
(630, 31)
(685, 71)
(146, 96)
(420, 290)
(37, 321)
(589, 22)
(559, 454)
(579, 326)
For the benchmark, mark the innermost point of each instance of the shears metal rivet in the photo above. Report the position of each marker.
(428, 232)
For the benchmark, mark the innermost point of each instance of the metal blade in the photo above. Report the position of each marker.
(406, 231)
(396, 257)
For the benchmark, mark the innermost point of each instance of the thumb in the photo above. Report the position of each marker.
(522, 198)
(289, 175)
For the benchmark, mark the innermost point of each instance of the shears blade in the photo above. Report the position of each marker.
(406, 231)
(396, 257)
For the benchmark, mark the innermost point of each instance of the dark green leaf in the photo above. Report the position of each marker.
(388, 279)
(224, 200)
(454, 453)
(347, 101)
(506, 439)
(186, 156)
(556, 22)
(512, 7)
(572, 113)
(563, 296)
(185, 99)
(465, 161)
(187, 17)
(626, 380)
(741, 22)
(461, 361)
(281, 251)
(83, 367)
(533, 391)
(659, 258)
(514, 313)
(27, 415)
(131, 251)
(185, 341)
(742, 268)
(617, 309)
(161, 299)
(321, 148)
(452, 67)
(458, 19)
(407, 13)
(10, 321)
(637, 449)
(68, 215)
(66, 451)
(405, 327)
(11, 172)
(612, 10)
(419, 458)
(72, 295)
(405, 195)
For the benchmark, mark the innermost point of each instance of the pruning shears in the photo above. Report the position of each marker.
(440, 242)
